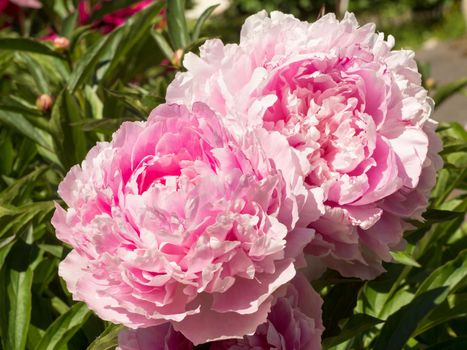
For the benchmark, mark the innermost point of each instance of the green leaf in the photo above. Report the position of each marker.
(22, 216)
(447, 182)
(9, 194)
(21, 124)
(21, 262)
(19, 295)
(55, 250)
(436, 215)
(86, 66)
(200, 22)
(63, 328)
(5, 246)
(94, 102)
(37, 73)
(105, 125)
(403, 258)
(27, 45)
(108, 340)
(33, 116)
(355, 326)
(8, 153)
(59, 305)
(447, 90)
(69, 24)
(400, 325)
(460, 146)
(338, 305)
(176, 23)
(133, 32)
(454, 307)
(70, 140)
(162, 43)
(380, 299)
(450, 275)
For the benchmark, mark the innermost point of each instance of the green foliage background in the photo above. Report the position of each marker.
(102, 80)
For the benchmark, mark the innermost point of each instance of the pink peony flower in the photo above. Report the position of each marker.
(352, 109)
(174, 221)
(293, 323)
(162, 337)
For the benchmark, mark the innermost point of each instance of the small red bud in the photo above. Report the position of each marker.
(44, 102)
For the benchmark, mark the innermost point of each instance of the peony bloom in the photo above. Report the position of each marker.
(352, 109)
(162, 337)
(174, 221)
(293, 323)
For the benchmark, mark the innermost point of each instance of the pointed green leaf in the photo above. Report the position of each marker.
(69, 24)
(70, 140)
(357, 324)
(200, 22)
(162, 43)
(86, 66)
(176, 23)
(19, 295)
(20, 123)
(19, 267)
(454, 307)
(400, 325)
(135, 29)
(108, 340)
(63, 328)
(450, 275)
(27, 45)
(402, 257)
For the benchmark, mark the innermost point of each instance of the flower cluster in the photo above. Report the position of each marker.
(294, 322)
(353, 111)
(303, 138)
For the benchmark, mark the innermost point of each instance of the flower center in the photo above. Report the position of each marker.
(322, 109)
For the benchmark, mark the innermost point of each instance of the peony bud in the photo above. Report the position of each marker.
(61, 43)
(177, 58)
(430, 83)
(44, 102)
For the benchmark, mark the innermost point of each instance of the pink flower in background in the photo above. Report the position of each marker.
(175, 221)
(27, 3)
(3, 5)
(350, 108)
(293, 323)
(111, 20)
(11, 6)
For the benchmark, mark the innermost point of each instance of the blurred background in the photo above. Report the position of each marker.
(71, 71)
(435, 29)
